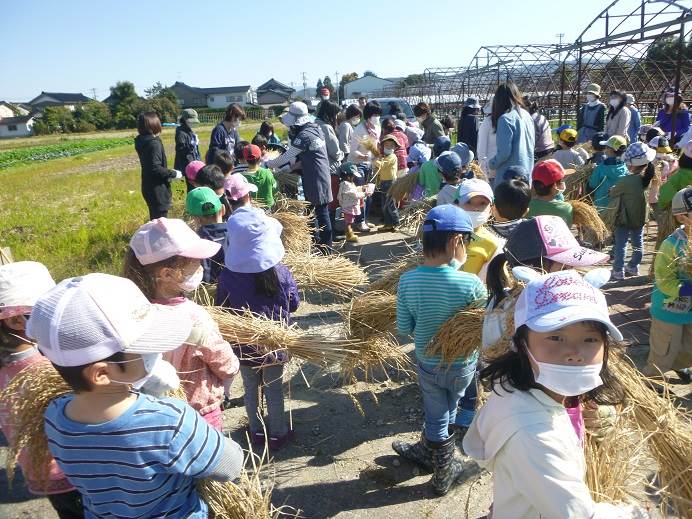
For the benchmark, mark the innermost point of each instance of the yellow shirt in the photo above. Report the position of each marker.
(387, 168)
(483, 247)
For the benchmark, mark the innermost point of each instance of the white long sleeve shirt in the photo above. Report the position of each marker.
(487, 145)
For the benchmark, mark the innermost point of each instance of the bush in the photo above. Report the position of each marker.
(277, 110)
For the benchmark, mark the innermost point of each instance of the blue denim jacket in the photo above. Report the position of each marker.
(515, 142)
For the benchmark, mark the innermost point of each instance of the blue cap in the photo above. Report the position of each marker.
(442, 143)
(465, 154)
(448, 163)
(447, 217)
(559, 129)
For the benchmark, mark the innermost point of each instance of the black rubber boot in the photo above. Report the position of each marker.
(446, 469)
(419, 452)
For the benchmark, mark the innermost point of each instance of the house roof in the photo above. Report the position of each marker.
(275, 85)
(213, 90)
(16, 120)
(393, 80)
(63, 97)
(267, 96)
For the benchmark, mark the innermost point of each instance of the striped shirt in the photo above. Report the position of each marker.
(426, 298)
(142, 464)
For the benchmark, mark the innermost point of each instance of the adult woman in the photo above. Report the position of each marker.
(352, 118)
(186, 142)
(369, 129)
(591, 117)
(468, 124)
(619, 116)
(487, 144)
(156, 177)
(308, 146)
(514, 132)
(432, 128)
(225, 135)
(635, 119)
(266, 130)
(544, 135)
(327, 115)
(673, 105)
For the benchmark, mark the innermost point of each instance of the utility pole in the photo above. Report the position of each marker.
(305, 82)
(336, 77)
(560, 35)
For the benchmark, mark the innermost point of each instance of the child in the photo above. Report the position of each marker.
(667, 161)
(449, 165)
(21, 284)
(609, 171)
(566, 155)
(211, 177)
(629, 205)
(671, 301)
(256, 280)
(263, 178)
(429, 175)
(208, 211)
(510, 206)
(126, 452)
(224, 161)
(599, 154)
(350, 197)
(241, 163)
(191, 171)
(426, 297)
(680, 179)
(548, 182)
(523, 434)
(238, 191)
(386, 168)
(164, 262)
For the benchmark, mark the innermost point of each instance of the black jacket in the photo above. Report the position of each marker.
(213, 266)
(468, 131)
(186, 147)
(156, 177)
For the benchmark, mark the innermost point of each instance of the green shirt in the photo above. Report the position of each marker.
(266, 185)
(553, 207)
(430, 178)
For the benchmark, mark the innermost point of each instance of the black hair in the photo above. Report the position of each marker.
(421, 109)
(328, 112)
(647, 174)
(224, 161)
(394, 108)
(74, 375)
(612, 112)
(210, 176)
(496, 278)
(435, 242)
(650, 134)
(353, 111)
(531, 105)
(506, 96)
(468, 110)
(371, 109)
(9, 339)
(235, 204)
(387, 125)
(512, 371)
(345, 174)
(238, 149)
(447, 122)
(568, 144)
(542, 189)
(685, 162)
(260, 140)
(266, 129)
(512, 198)
(267, 282)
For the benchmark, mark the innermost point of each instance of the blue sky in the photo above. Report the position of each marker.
(77, 46)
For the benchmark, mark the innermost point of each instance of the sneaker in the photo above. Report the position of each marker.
(631, 271)
(684, 375)
(371, 225)
(275, 443)
(616, 275)
(363, 227)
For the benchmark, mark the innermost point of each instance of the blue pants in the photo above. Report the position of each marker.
(441, 389)
(467, 405)
(271, 379)
(622, 236)
(390, 212)
(324, 225)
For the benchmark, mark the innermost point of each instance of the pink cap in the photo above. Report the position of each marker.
(238, 186)
(193, 168)
(164, 238)
(561, 245)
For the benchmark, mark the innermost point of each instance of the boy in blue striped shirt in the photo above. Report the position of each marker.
(426, 297)
(129, 454)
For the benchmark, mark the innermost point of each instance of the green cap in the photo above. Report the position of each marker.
(615, 142)
(202, 201)
(189, 115)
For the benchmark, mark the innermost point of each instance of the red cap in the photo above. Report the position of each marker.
(252, 152)
(324, 91)
(548, 172)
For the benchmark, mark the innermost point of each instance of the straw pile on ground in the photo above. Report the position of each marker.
(575, 183)
(336, 274)
(267, 335)
(402, 187)
(287, 204)
(296, 235)
(389, 279)
(591, 228)
(460, 336)
(371, 314)
(412, 216)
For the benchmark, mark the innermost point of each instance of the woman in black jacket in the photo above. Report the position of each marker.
(156, 177)
(186, 142)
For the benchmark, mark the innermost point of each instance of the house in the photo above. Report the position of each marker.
(366, 86)
(16, 126)
(68, 100)
(213, 97)
(274, 93)
(6, 109)
(305, 93)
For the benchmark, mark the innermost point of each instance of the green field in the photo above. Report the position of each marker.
(76, 214)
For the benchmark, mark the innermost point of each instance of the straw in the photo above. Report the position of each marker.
(285, 204)
(412, 216)
(371, 313)
(379, 354)
(403, 186)
(575, 183)
(296, 235)
(591, 228)
(460, 336)
(334, 273)
(389, 279)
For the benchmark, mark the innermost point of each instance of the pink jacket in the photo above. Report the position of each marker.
(57, 482)
(402, 152)
(203, 367)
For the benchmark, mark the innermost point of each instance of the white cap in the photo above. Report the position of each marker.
(21, 284)
(556, 300)
(164, 238)
(297, 114)
(474, 187)
(86, 319)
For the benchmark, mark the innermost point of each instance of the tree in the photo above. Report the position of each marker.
(124, 103)
(55, 119)
(346, 78)
(93, 114)
(327, 83)
(158, 91)
(369, 73)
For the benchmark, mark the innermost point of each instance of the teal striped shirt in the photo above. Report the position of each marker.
(426, 298)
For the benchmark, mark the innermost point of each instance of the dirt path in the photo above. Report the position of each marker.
(341, 464)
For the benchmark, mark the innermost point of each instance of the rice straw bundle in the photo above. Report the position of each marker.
(575, 183)
(268, 336)
(379, 354)
(287, 204)
(336, 274)
(296, 235)
(666, 225)
(668, 431)
(413, 215)
(371, 313)
(477, 171)
(389, 279)
(287, 180)
(460, 336)
(591, 227)
(403, 186)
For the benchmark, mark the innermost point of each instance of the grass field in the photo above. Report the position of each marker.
(76, 214)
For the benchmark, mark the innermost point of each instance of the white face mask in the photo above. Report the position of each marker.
(149, 360)
(670, 101)
(375, 120)
(388, 151)
(479, 218)
(355, 121)
(614, 102)
(590, 98)
(325, 98)
(568, 380)
(190, 283)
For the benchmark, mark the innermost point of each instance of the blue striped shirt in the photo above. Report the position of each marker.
(142, 464)
(426, 298)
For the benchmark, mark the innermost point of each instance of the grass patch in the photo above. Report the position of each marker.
(55, 151)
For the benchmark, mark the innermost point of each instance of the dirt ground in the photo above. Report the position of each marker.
(340, 464)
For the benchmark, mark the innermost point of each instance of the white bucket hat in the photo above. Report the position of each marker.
(21, 284)
(254, 241)
(297, 114)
